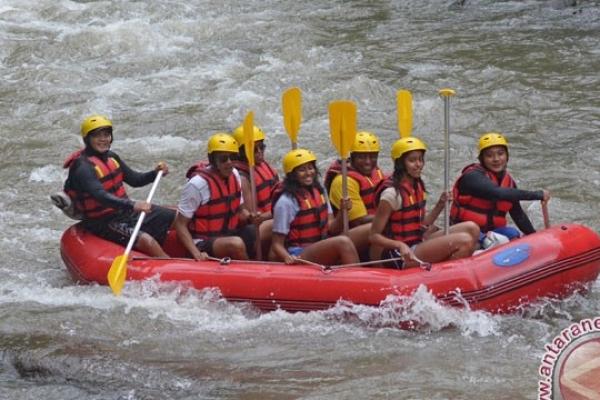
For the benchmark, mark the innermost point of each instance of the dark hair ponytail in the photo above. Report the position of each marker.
(242, 154)
(399, 171)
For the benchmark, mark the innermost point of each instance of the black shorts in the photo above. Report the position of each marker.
(119, 227)
(247, 233)
(389, 254)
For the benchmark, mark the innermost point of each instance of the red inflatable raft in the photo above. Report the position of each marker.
(552, 263)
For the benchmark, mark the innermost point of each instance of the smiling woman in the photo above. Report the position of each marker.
(401, 226)
(303, 222)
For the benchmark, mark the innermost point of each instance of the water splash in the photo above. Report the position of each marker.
(421, 312)
(48, 174)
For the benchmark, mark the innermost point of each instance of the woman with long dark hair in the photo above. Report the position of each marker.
(303, 220)
(401, 227)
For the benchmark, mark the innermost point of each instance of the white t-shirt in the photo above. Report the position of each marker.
(196, 192)
(393, 197)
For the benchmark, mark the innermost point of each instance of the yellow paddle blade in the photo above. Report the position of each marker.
(342, 125)
(249, 137)
(117, 273)
(291, 103)
(447, 92)
(404, 107)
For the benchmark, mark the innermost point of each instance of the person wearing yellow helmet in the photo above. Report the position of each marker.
(211, 210)
(303, 219)
(401, 228)
(485, 192)
(265, 179)
(95, 186)
(363, 176)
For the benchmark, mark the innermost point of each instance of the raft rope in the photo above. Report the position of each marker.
(227, 260)
(422, 264)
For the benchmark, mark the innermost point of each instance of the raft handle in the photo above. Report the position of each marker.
(222, 261)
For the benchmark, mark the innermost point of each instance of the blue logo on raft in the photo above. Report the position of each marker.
(512, 256)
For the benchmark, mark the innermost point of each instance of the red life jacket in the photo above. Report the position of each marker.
(265, 178)
(200, 165)
(487, 214)
(109, 174)
(367, 184)
(310, 224)
(219, 216)
(406, 223)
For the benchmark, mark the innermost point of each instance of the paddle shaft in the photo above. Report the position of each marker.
(446, 160)
(254, 201)
(345, 222)
(342, 123)
(446, 94)
(545, 214)
(140, 220)
(249, 148)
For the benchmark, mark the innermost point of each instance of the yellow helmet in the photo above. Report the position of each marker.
(492, 139)
(365, 142)
(406, 144)
(94, 122)
(222, 142)
(297, 157)
(238, 134)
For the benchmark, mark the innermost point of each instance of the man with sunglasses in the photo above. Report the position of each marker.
(265, 179)
(211, 208)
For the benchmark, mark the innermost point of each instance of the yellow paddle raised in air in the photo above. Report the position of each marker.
(118, 269)
(342, 125)
(291, 103)
(405, 112)
(248, 127)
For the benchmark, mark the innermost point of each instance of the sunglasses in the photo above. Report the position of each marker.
(222, 158)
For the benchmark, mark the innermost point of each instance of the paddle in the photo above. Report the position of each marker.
(118, 269)
(545, 214)
(342, 125)
(291, 103)
(249, 149)
(404, 109)
(446, 94)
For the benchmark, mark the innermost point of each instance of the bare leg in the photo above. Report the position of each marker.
(469, 227)
(360, 237)
(441, 248)
(148, 245)
(333, 250)
(230, 246)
